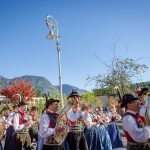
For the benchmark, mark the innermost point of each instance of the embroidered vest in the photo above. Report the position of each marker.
(135, 116)
(22, 118)
(53, 118)
(74, 123)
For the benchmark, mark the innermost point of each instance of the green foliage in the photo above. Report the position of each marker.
(91, 98)
(41, 106)
(99, 92)
(120, 73)
(55, 94)
(38, 93)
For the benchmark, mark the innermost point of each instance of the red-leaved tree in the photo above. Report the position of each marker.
(21, 87)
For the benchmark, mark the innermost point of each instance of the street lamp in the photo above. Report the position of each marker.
(53, 34)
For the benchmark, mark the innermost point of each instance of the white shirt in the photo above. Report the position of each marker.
(17, 127)
(142, 111)
(74, 116)
(10, 118)
(118, 117)
(88, 120)
(44, 130)
(138, 134)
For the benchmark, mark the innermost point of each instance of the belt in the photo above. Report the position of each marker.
(75, 129)
(20, 132)
(135, 146)
(51, 141)
(23, 131)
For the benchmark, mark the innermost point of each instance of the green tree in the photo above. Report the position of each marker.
(41, 106)
(38, 93)
(121, 72)
(91, 98)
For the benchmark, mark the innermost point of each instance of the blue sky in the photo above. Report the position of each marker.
(86, 28)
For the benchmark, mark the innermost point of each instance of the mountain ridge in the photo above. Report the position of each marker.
(42, 84)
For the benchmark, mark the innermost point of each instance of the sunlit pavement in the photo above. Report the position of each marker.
(34, 144)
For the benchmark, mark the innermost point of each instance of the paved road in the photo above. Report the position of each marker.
(124, 143)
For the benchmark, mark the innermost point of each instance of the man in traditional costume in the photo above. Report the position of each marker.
(137, 136)
(21, 138)
(76, 138)
(47, 126)
(10, 126)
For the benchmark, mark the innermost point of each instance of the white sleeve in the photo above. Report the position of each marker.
(74, 116)
(17, 127)
(107, 120)
(138, 134)
(109, 115)
(9, 119)
(118, 117)
(142, 111)
(44, 130)
(88, 121)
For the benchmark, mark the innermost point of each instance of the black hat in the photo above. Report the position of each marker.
(33, 108)
(143, 91)
(22, 103)
(50, 101)
(127, 98)
(74, 93)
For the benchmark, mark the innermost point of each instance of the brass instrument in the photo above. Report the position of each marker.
(2, 122)
(2, 128)
(35, 126)
(61, 136)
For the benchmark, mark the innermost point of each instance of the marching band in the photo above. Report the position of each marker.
(77, 127)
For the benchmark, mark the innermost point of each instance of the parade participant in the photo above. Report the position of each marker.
(76, 138)
(90, 124)
(41, 139)
(21, 138)
(47, 126)
(113, 129)
(3, 127)
(10, 126)
(113, 114)
(100, 113)
(135, 134)
(33, 130)
(3, 124)
(142, 94)
(96, 134)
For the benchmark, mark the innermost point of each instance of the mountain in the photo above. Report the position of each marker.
(42, 84)
(67, 89)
